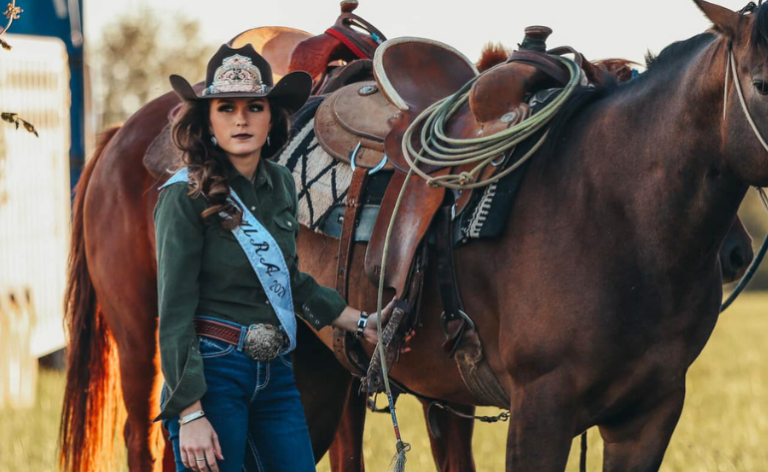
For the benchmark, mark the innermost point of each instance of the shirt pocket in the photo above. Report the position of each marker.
(285, 235)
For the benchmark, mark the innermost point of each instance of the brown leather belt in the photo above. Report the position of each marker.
(216, 330)
(260, 342)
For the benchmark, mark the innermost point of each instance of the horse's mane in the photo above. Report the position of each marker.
(493, 54)
(759, 36)
(672, 53)
(667, 60)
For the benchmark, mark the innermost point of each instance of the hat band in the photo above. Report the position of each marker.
(230, 88)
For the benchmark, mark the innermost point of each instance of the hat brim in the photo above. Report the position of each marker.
(291, 92)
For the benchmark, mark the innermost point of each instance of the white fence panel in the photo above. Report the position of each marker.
(34, 210)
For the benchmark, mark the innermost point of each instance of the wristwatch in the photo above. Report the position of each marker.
(362, 322)
(191, 417)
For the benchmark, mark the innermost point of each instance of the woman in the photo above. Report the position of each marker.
(228, 276)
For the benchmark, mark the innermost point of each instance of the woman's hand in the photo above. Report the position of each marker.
(371, 331)
(348, 322)
(199, 446)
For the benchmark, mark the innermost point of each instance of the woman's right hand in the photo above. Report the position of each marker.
(199, 446)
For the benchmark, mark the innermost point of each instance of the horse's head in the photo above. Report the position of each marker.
(741, 58)
(736, 252)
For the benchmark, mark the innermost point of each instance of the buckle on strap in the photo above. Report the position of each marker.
(263, 342)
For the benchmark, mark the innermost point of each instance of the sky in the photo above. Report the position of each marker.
(599, 29)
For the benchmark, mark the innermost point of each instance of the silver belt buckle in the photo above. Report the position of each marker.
(263, 342)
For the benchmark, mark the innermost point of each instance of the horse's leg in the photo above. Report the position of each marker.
(169, 461)
(453, 451)
(132, 317)
(346, 453)
(638, 443)
(323, 384)
(541, 427)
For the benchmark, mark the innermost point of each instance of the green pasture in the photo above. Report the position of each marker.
(724, 426)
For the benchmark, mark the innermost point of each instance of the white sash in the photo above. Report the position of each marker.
(267, 261)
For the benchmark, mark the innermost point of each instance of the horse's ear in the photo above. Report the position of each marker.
(725, 20)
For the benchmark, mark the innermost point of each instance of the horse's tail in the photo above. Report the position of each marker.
(91, 403)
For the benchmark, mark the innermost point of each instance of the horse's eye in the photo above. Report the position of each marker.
(761, 86)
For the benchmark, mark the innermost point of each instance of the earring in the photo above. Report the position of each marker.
(268, 139)
(214, 140)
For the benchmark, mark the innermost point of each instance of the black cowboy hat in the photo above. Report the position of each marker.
(243, 73)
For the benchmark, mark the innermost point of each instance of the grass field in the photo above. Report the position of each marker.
(724, 426)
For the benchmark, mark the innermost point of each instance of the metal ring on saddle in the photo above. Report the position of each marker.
(353, 156)
(460, 314)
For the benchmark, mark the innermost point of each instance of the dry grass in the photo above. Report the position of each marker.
(724, 426)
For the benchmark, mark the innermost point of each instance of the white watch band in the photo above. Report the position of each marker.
(191, 417)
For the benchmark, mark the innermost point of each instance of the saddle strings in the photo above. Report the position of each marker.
(438, 149)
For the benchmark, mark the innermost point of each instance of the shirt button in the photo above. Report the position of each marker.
(289, 224)
(317, 322)
(253, 208)
(267, 302)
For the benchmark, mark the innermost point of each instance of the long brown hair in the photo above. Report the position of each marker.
(205, 161)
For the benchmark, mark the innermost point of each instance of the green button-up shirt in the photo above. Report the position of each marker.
(203, 271)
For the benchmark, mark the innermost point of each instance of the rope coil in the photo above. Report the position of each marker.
(439, 149)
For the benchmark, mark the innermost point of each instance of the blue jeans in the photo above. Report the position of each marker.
(255, 409)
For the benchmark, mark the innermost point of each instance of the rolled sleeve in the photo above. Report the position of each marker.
(316, 304)
(179, 235)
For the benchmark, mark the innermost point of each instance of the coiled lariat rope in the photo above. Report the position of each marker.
(445, 151)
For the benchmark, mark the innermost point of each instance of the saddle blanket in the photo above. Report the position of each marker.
(322, 182)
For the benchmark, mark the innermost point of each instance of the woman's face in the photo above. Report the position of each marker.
(240, 125)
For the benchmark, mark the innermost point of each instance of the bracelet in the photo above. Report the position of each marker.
(362, 322)
(195, 415)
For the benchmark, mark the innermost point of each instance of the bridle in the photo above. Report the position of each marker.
(730, 68)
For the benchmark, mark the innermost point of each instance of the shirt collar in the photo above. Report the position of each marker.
(263, 174)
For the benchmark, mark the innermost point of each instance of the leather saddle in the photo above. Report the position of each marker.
(349, 39)
(368, 121)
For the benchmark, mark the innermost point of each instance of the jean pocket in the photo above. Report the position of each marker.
(210, 348)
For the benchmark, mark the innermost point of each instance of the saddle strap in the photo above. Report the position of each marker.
(462, 339)
(351, 213)
(342, 341)
(543, 62)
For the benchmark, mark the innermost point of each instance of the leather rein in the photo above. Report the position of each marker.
(730, 68)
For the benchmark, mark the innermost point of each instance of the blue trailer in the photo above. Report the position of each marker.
(62, 19)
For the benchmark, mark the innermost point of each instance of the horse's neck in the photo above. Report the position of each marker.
(663, 158)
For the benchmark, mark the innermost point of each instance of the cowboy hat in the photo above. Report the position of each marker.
(244, 73)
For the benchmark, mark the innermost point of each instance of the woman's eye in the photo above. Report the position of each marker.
(257, 108)
(225, 108)
(760, 86)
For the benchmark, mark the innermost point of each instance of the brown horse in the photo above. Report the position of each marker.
(595, 332)
(613, 253)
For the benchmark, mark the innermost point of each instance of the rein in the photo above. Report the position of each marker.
(730, 68)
